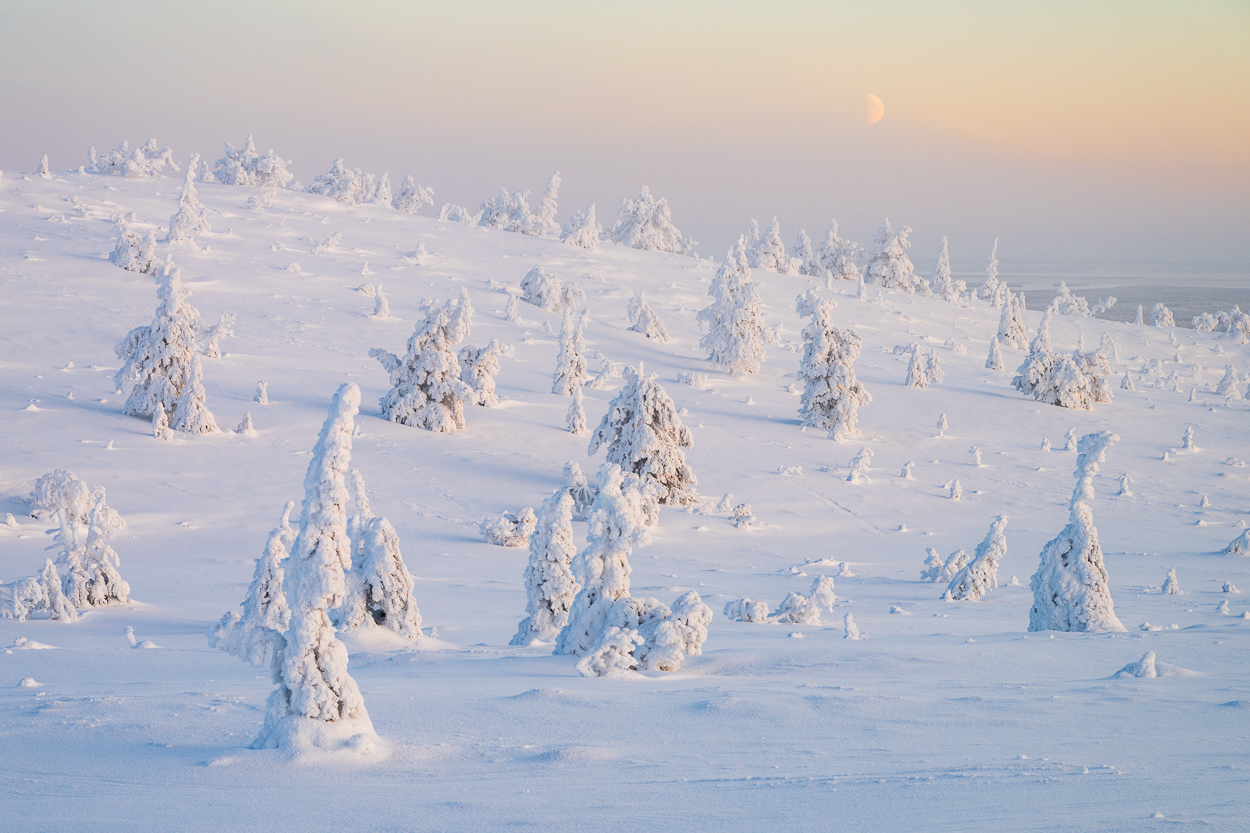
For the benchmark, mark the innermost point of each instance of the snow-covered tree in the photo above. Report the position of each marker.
(570, 373)
(992, 290)
(379, 588)
(1227, 385)
(191, 218)
(478, 366)
(426, 388)
(343, 184)
(212, 336)
(839, 257)
(849, 629)
(452, 213)
(944, 286)
(646, 223)
(575, 419)
(543, 289)
(191, 414)
(956, 491)
(1171, 587)
(583, 230)
(132, 252)
(735, 335)
(1078, 380)
(255, 636)
(770, 253)
(412, 196)
(642, 319)
(805, 257)
(262, 393)
(144, 161)
(507, 212)
(954, 562)
(1127, 382)
(511, 529)
(602, 568)
(315, 701)
(932, 565)
(888, 266)
(544, 223)
(1065, 303)
(980, 575)
(44, 172)
(746, 610)
(644, 435)
(994, 361)
(1162, 316)
(1239, 545)
(924, 368)
(743, 517)
(796, 609)
(247, 167)
(859, 466)
(550, 586)
(1071, 590)
(832, 396)
(1011, 321)
(382, 191)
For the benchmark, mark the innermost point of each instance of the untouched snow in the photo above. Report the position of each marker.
(952, 717)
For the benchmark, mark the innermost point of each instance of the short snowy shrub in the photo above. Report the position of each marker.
(1065, 303)
(746, 610)
(512, 529)
(478, 366)
(144, 161)
(1162, 316)
(839, 257)
(849, 628)
(412, 196)
(1171, 587)
(932, 566)
(743, 518)
(132, 252)
(247, 167)
(821, 593)
(583, 230)
(642, 319)
(1239, 545)
(859, 466)
(542, 289)
(797, 609)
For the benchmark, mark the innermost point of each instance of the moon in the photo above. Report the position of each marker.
(875, 109)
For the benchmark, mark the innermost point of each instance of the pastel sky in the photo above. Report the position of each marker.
(1107, 131)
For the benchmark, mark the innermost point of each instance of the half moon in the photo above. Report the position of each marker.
(875, 110)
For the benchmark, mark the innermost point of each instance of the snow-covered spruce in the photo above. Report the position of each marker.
(1078, 380)
(839, 257)
(351, 187)
(44, 172)
(211, 336)
(994, 361)
(942, 424)
(1011, 321)
(412, 196)
(943, 285)
(511, 529)
(645, 436)
(544, 222)
(580, 489)
(746, 610)
(575, 418)
(378, 587)
(132, 252)
(583, 230)
(571, 373)
(888, 266)
(664, 636)
(316, 703)
(550, 586)
(849, 629)
(262, 393)
(954, 490)
(743, 517)
(255, 636)
(381, 306)
(924, 368)
(859, 466)
(993, 290)
(192, 415)
(543, 289)
(932, 565)
(478, 366)
(980, 575)
(506, 212)
(1171, 587)
(1071, 590)
(426, 388)
(1162, 316)
(144, 161)
(770, 253)
(247, 167)
(1239, 545)
(1227, 386)
(1065, 303)
(735, 335)
(642, 319)
(796, 609)
(191, 218)
(647, 223)
(832, 396)
(804, 258)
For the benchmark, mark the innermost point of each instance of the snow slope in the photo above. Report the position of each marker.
(946, 717)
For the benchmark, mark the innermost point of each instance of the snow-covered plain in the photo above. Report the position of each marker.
(943, 716)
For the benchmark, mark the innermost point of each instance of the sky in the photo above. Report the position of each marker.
(1091, 133)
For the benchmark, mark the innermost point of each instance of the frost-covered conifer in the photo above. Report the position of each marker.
(956, 491)
(906, 471)
(992, 289)
(944, 286)
(736, 336)
(247, 167)
(769, 252)
(426, 388)
(954, 562)
(923, 368)
(381, 306)
(1187, 441)
(245, 426)
(1065, 303)
(821, 593)
(316, 702)
(191, 218)
(743, 517)
(512, 529)
(602, 568)
(507, 212)
(542, 289)
(1162, 316)
(1239, 545)
(1071, 589)
(796, 609)
(382, 191)
(1078, 380)
(544, 223)
(1011, 321)
(646, 223)
(550, 586)
(942, 424)
(212, 336)
(512, 311)
(1228, 383)
(994, 361)
(158, 357)
(839, 257)
(850, 629)
(43, 172)
(803, 256)
(889, 266)
(1171, 587)
(583, 230)
(644, 435)
(932, 565)
(132, 252)
(379, 588)
(805, 304)
(412, 196)
(478, 366)
(570, 373)
(643, 319)
(575, 419)
(976, 457)
(746, 610)
(256, 635)
(1127, 382)
(144, 161)
(191, 414)
(160, 425)
(343, 184)
(859, 466)
(832, 396)
(980, 575)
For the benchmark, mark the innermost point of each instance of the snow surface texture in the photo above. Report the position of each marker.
(910, 728)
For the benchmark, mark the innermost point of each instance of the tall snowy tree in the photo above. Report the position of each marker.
(1011, 321)
(1071, 590)
(839, 257)
(571, 369)
(646, 223)
(805, 257)
(889, 266)
(994, 361)
(736, 336)
(980, 575)
(191, 414)
(583, 230)
(550, 586)
(256, 635)
(832, 395)
(379, 588)
(426, 388)
(992, 290)
(316, 702)
(544, 223)
(191, 218)
(769, 252)
(944, 286)
(644, 435)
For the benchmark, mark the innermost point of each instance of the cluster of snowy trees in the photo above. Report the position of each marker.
(795, 608)
(85, 574)
(147, 160)
(1234, 322)
(1076, 380)
(247, 167)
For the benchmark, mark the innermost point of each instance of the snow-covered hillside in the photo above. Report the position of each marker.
(942, 715)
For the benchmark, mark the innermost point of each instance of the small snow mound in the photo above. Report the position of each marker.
(24, 644)
(29, 682)
(576, 755)
(897, 609)
(1148, 667)
(795, 635)
(541, 694)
